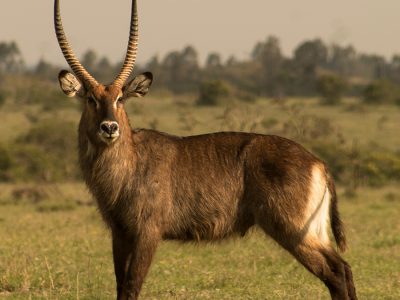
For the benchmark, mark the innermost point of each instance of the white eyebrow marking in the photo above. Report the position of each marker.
(116, 100)
(95, 100)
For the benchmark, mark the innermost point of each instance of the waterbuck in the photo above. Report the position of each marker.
(151, 186)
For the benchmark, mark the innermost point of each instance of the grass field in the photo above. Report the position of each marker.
(53, 244)
(59, 249)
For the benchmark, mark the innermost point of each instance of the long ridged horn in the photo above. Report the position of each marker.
(66, 49)
(130, 57)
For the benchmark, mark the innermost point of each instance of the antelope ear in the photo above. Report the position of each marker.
(139, 86)
(70, 85)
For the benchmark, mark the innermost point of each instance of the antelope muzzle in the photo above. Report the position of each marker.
(109, 131)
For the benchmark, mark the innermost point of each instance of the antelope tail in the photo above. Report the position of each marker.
(336, 223)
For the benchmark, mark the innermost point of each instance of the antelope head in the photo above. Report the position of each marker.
(103, 105)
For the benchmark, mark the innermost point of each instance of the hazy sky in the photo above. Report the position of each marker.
(225, 26)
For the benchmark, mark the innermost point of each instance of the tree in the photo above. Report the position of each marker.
(311, 54)
(375, 66)
(11, 60)
(269, 56)
(153, 63)
(190, 70)
(89, 60)
(394, 74)
(170, 70)
(213, 61)
(46, 70)
(331, 88)
(231, 61)
(396, 61)
(104, 64)
(343, 60)
(189, 57)
(268, 52)
(308, 57)
(180, 70)
(104, 70)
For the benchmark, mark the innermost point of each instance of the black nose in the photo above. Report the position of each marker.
(109, 127)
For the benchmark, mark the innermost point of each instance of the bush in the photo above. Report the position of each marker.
(381, 91)
(27, 90)
(364, 166)
(351, 165)
(379, 167)
(3, 97)
(331, 88)
(31, 163)
(244, 96)
(56, 100)
(47, 153)
(211, 92)
(5, 163)
(310, 129)
(336, 158)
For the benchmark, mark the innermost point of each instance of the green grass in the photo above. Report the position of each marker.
(65, 253)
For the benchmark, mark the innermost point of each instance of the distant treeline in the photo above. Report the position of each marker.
(329, 72)
(315, 68)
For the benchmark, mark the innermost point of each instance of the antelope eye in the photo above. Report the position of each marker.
(91, 101)
(120, 100)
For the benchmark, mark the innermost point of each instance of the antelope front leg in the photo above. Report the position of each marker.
(122, 250)
(141, 256)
